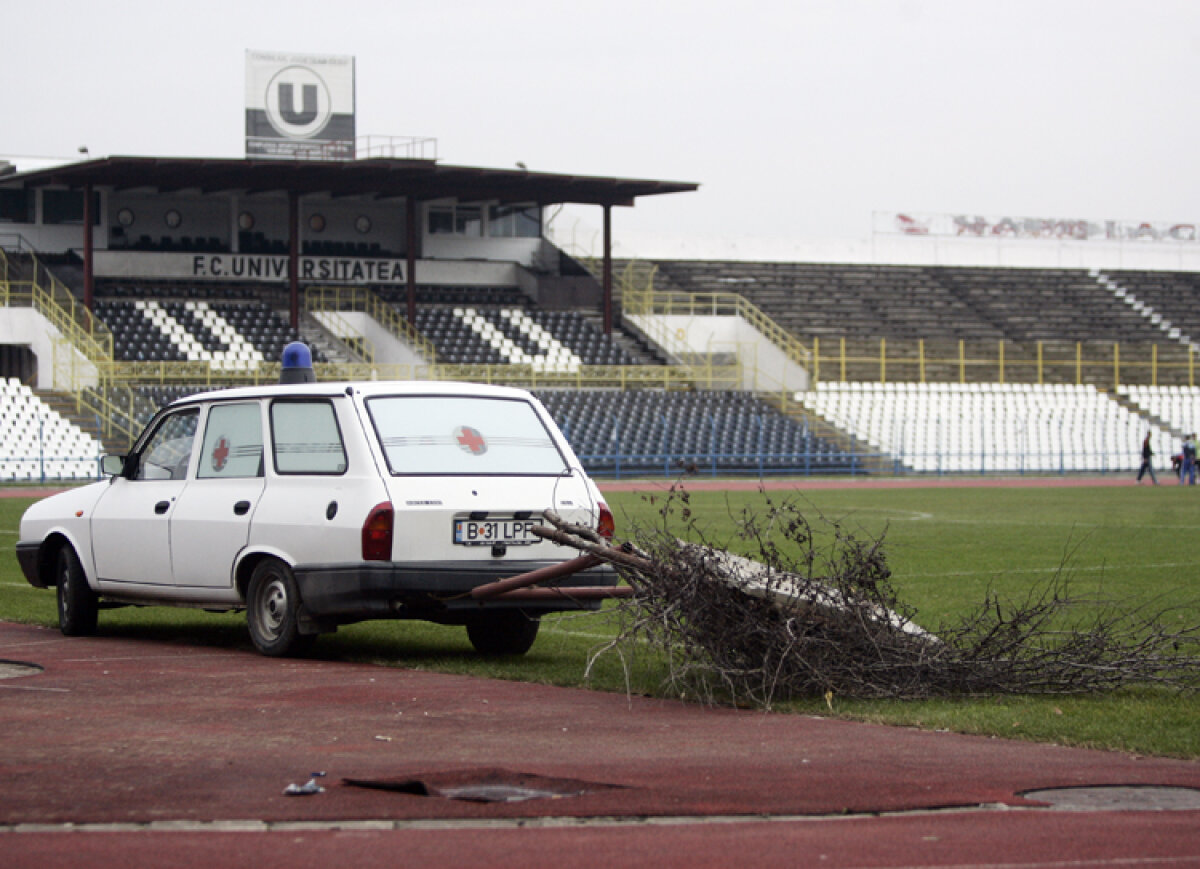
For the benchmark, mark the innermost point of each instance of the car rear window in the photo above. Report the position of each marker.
(452, 434)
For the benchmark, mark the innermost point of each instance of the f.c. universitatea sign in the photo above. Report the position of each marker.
(248, 267)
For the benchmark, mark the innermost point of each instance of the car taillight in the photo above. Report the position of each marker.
(377, 533)
(606, 525)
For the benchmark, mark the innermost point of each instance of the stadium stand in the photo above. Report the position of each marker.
(945, 424)
(1176, 408)
(39, 443)
(455, 295)
(655, 431)
(851, 300)
(1021, 305)
(228, 334)
(1051, 314)
(1171, 295)
(983, 428)
(494, 335)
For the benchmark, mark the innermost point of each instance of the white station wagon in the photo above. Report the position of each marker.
(313, 505)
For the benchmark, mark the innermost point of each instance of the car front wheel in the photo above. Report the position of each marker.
(272, 610)
(508, 632)
(78, 606)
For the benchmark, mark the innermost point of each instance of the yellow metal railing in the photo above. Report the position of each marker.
(49, 297)
(917, 360)
(1108, 364)
(647, 301)
(202, 376)
(83, 352)
(331, 300)
(333, 320)
(649, 308)
(115, 410)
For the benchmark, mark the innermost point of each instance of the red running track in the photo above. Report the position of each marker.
(135, 752)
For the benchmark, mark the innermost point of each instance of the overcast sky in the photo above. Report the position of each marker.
(799, 119)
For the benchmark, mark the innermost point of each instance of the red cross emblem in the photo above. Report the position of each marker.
(220, 454)
(470, 440)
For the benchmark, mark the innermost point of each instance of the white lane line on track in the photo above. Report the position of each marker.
(27, 643)
(452, 824)
(189, 655)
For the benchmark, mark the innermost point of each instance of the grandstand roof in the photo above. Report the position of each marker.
(381, 178)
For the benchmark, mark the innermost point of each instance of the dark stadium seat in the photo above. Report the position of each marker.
(654, 431)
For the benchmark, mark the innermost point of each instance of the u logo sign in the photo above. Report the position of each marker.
(298, 103)
(287, 104)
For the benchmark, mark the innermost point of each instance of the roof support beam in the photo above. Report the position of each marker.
(410, 252)
(608, 302)
(89, 281)
(294, 256)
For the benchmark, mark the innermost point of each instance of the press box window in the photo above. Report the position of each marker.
(16, 206)
(515, 221)
(306, 438)
(465, 220)
(66, 207)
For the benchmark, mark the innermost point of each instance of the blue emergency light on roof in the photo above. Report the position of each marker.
(297, 364)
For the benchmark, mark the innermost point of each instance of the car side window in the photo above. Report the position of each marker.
(166, 455)
(306, 438)
(233, 443)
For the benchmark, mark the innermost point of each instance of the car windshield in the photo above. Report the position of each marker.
(445, 434)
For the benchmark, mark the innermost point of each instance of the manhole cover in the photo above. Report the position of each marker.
(13, 669)
(1108, 798)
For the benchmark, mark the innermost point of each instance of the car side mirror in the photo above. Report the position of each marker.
(112, 466)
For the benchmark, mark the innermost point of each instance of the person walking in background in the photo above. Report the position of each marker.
(1147, 465)
(1188, 469)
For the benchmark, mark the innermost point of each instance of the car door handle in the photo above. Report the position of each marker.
(241, 508)
(162, 507)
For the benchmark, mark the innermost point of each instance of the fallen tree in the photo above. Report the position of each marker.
(826, 620)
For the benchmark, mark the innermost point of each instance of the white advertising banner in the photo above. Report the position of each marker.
(299, 106)
(1036, 228)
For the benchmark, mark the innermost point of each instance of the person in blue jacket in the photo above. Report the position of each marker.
(1188, 469)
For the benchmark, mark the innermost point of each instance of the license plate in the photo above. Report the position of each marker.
(487, 532)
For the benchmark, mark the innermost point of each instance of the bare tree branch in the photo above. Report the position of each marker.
(815, 613)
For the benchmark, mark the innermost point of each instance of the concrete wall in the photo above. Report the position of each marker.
(389, 350)
(765, 366)
(525, 251)
(25, 327)
(467, 273)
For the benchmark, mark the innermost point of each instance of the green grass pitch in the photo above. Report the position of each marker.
(946, 547)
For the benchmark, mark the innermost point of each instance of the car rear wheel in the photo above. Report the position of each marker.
(272, 610)
(78, 606)
(508, 632)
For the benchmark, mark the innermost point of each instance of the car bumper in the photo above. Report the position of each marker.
(27, 557)
(437, 591)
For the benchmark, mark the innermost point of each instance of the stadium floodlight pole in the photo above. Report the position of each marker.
(607, 277)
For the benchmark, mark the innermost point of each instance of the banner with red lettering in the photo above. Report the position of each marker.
(1035, 228)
